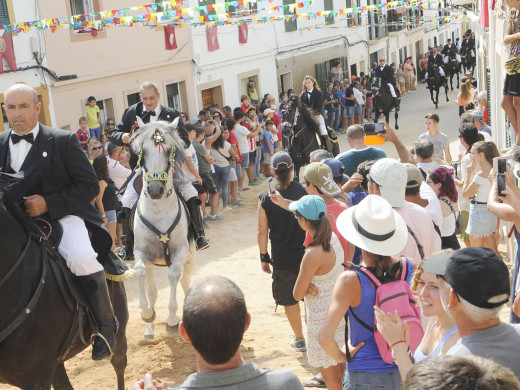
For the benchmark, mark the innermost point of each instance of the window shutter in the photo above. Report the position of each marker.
(321, 75)
(4, 14)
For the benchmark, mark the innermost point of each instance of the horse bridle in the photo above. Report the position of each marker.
(158, 175)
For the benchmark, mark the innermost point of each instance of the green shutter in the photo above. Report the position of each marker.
(291, 25)
(328, 7)
(321, 75)
(4, 13)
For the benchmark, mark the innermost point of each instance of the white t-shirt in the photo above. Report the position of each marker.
(484, 186)
(117, 172)
(220, 155)
(241, 133)
(359, 96)
(434, 205)
(190, 153)
(427, 166)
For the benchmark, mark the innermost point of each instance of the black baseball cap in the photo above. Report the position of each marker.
(476, 274)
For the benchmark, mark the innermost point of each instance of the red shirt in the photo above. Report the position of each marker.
(334, 209)
(486, 115)
(83, 136)
(233, 141)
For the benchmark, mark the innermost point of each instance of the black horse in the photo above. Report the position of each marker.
(383, 101)
(452, 69)
(468, 60)
(435, 83)
(302, 133)
(40, 316)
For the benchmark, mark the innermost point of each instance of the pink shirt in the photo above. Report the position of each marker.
(418, 219)
(408, 70)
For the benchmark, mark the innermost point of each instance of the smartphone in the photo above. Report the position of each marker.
(271, 185)
(499, 165)
(501, 184)
(373, 128)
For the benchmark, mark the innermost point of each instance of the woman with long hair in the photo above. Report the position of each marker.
(464, 97)
(375, 227)
(320, 268)
(223, 154)
(94, 149)
(106, 201)
(312, 97)
(441, 181)
(441, 332)
(277, 225)
(482, 224)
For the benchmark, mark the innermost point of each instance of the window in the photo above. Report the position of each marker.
(80, 7)
(353, 19)
(291, 25)
(329, 6)
(173, 96)
(394, 18)
(133, 98)
(207, 3)
(4, 13)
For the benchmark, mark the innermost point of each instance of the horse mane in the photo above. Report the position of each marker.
(306, 114)
(172, 139)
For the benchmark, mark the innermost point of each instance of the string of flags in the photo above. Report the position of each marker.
(236, 12)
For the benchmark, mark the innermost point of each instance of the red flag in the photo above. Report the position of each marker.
(484, 14)
(169, 37)
(243, 33)
(7, 52)
(212, 39)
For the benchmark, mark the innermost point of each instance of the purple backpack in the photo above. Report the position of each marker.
(391, 296)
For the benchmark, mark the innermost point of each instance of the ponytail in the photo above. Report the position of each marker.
(323, 233)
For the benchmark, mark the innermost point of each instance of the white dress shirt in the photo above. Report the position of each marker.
(157, 109)
(19, 152)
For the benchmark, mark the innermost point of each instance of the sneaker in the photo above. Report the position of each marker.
(214, 218)
(254, 182)
(238, 204)
(298, 344)
(227, 208)
(245, 189)
(206, 226)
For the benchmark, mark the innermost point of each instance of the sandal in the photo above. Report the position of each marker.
(315, 382)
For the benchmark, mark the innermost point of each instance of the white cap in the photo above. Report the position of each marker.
(391, 177)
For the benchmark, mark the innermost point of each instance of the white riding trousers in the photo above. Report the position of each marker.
(321, 122)
(75, 247)
(392, 90)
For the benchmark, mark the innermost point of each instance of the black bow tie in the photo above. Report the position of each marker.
(17, 138)
(147, 115)
(150, 113)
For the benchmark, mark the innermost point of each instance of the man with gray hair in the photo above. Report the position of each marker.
(480, 124)
(474, 288)
(423, 149)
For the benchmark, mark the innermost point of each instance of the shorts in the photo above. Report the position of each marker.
(278, 145)
(268, 159)
(233, 174)
(245, 160)
(512, 85)
(200, 189)
(408, 79)
(358, 110)
(111, 215)
(208, 181)
(388, 380)
(481, 222)
(95, 132)
(283, 286)
(349, 111)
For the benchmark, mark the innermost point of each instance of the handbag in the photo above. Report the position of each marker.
(230, 159)
(459, 220)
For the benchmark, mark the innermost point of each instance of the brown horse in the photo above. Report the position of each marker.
(40, 315)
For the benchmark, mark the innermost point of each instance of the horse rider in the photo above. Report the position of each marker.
(386, 74)
(150, 110)
(312, 97)
(435, 61)
(468, 42)
(62, 194)
(449, 48)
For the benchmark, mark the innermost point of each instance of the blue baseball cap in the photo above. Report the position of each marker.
(335, 166)
(310, 206)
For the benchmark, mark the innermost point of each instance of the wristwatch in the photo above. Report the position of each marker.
(104, 216)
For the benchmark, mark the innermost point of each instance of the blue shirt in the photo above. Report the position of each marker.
(341, 96)
(268, 137)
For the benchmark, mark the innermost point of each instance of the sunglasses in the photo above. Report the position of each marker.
(111, 124)
(97, 148)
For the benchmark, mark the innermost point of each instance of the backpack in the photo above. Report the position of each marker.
(390, 296)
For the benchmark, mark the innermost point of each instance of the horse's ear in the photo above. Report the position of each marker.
(140, 122)
(175, 122)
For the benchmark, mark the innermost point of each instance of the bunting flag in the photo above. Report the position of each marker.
(174, 13)
(7, 52)
(169, 37)
(212, 38)
(243, 33)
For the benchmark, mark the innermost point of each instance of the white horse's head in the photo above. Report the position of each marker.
(161, 155)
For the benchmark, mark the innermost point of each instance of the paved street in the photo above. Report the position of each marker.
(414, 107)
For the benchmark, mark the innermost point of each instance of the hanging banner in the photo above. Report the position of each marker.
(7, 52)
(212, 38)
(243, 33)
(169, 38)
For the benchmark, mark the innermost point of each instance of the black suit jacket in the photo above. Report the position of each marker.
(448, 49)
(68, 181)
(386, 75)
(437, 60)
(467, 44)
(315, 102)
(130, 116)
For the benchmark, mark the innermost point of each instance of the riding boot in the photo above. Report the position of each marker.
(197, 223)
(325, 142)
(397, 103)
(95, 288)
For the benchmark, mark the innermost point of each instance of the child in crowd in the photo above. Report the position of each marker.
(246, 103)
(83, 133)
(93, 117)
(268, 148)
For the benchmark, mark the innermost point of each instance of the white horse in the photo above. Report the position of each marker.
(161, 223)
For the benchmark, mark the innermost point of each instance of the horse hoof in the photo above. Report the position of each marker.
(151, 319)
(147, 336)
(172, 330)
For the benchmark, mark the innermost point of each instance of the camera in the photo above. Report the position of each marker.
(373, 128)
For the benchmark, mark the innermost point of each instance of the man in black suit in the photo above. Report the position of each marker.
(468, 43)
(449, 48)
(62, 193)
(150, 110)
(435, 61)
(387, 75)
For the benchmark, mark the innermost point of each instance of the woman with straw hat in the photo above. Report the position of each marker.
(380, 232)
